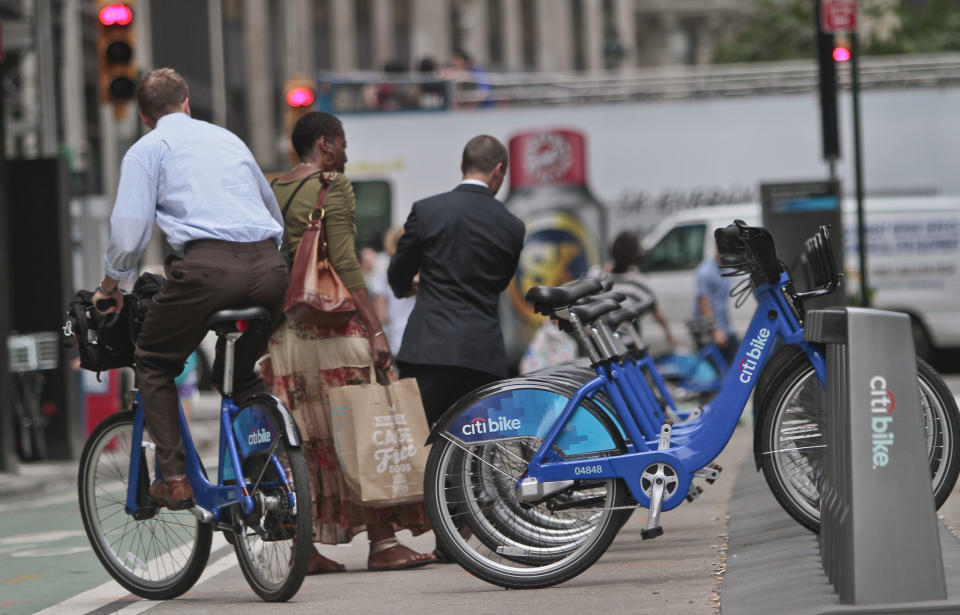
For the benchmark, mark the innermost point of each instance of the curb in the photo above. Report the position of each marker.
(36, 478)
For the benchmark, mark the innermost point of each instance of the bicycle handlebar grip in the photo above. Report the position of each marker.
(728, 240)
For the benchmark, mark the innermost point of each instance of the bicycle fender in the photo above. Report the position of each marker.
(290, 429)
(527, 385)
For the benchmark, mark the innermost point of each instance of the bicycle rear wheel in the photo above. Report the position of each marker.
(157, 557)
(792, 438)
(273, 543)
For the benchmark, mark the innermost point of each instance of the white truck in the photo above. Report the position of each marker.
(913, 262)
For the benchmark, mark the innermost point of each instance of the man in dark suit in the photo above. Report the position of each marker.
(465, 245)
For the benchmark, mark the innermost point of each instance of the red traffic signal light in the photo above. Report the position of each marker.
(116, 40)
(842, 48)
(299, 93)
(300, 96)
(115, 14)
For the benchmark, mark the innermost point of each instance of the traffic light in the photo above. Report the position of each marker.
(828, 89)
(116, 42)
(842, 48)
(299, 95)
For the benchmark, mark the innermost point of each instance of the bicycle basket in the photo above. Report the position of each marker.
(104, 341)
(820, 265)
(107, 341)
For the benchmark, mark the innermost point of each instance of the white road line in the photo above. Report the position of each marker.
(111, 591)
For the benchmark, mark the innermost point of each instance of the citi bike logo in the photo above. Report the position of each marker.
(882, 403)
(258, 437)
(748, 366)
(481, 425)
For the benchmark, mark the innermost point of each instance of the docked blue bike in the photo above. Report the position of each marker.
(530, 479)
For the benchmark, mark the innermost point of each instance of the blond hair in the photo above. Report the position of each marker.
(390, 239)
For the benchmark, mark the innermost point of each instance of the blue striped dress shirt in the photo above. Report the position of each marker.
(195, 180)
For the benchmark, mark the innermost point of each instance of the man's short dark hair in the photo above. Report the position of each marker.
(482, 154)
(160, 92)
(311, 127)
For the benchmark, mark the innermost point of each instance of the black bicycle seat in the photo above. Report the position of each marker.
(630, 310)
(544, 298)
(231, 316)
(591, 311)
(610, 294)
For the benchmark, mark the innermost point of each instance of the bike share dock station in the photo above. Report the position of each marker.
(880, 548)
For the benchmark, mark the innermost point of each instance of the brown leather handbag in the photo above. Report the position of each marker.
(316, 296)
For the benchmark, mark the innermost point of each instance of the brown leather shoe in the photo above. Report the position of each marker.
(174, 493)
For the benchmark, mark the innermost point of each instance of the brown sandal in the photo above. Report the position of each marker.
(399, 558)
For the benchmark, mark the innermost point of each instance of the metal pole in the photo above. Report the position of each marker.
(858, 165)
(46, 88)
(71, 76)
(218, 81)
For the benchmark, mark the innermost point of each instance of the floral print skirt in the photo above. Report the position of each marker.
(304, 363)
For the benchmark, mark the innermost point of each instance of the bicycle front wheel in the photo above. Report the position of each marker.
(792, 439)
(157, 557)
(273, 543)
(509, 543)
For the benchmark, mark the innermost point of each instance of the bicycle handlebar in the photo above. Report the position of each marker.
(749, 249)
(105, 304)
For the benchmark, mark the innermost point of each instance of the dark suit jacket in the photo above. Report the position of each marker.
(466, 246)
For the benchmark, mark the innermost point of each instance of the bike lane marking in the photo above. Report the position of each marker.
(113, 594)
(37, 502)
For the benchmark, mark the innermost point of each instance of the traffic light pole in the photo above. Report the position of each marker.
(858, 165)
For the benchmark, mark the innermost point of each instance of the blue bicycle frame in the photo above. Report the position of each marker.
(214, 498)
(694, 444)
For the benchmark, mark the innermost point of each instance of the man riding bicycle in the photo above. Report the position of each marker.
(202, 186)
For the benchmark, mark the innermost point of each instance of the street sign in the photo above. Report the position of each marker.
(838, 16)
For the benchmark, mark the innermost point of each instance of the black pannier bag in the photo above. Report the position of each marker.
(107, 341)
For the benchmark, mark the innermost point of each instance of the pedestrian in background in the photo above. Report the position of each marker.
(306, 361)
(626, 277)
(465, 246)
(397, 308)
(712, 306)
(372, 273)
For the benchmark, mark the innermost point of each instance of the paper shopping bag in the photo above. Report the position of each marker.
(379, 433)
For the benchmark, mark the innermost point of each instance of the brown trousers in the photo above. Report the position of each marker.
(213, 275)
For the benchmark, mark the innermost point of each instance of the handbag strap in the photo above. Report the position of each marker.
(322, 239)
(283, 210)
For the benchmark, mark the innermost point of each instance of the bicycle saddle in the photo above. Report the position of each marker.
(544, 298)
(231, 316)
(611, 294)
(630, 310)
(589, 312)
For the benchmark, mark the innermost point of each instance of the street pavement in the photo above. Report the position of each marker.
(46, 565)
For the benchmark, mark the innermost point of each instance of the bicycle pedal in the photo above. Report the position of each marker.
(694, 493)
(709, 473)
(651, 533)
